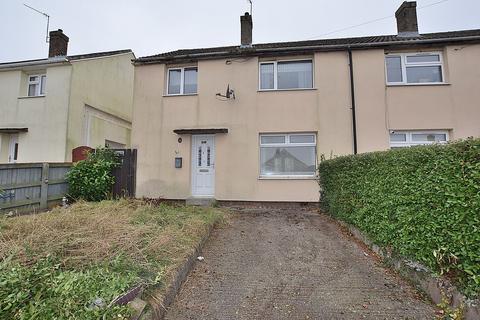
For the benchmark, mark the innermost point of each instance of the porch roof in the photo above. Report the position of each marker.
(201, 131)
(13, 130)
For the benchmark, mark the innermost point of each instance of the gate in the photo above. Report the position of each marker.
(125, 173)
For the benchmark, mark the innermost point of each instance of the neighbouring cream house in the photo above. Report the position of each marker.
(250, 122)
(50, 106)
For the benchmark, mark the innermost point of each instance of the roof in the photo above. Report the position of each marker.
(98, 54)
(13, 130)
(61, 59)
(313, 45)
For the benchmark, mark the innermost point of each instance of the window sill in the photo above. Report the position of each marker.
(31, 97)
(277, 90)
(417, 84)
(180, 95)
(287, 178)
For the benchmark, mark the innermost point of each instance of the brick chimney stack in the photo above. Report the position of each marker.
(246, 23)
(58, 44)
(406, 15)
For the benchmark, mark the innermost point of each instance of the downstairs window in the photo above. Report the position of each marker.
(401, 139)
(288, 155)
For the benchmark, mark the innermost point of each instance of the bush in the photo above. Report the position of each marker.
(422, 202)
(91, 179)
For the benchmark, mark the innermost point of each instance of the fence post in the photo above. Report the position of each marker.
(44, 187)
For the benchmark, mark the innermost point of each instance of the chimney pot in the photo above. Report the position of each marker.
(406, 14)
(58, 44)
(246, 24)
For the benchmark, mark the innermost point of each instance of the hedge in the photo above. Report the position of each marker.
(422, 202)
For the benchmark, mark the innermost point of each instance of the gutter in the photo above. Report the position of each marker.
(253, 51)
(36, 63)
(352, 94)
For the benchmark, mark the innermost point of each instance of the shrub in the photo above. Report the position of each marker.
(91, 179)
(423, 202)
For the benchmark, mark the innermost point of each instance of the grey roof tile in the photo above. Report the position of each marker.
(357, 42)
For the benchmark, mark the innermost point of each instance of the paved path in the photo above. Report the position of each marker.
(291, 264)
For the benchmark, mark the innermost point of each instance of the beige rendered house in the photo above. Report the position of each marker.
(289, 103)
(50, 106)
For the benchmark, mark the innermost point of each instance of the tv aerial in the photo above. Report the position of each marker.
(44, 14)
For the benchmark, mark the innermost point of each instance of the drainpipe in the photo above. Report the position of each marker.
(352, 94)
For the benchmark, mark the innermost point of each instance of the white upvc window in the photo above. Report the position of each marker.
(182, 81)
(285, 75)
(401, 139)
(291, 155)
(36, 85)
(414, 68)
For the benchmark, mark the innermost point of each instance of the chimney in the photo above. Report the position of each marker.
(58, 44)
(246, 30)
(407, 19)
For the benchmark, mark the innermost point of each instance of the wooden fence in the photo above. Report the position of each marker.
(32, 186)
(125, 173)
(26, 187)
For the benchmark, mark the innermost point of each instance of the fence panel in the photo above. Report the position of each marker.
(32, 186)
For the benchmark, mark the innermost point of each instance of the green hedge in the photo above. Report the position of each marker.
(422, 202)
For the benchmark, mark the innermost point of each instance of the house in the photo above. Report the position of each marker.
(50, 106)
(250, 122)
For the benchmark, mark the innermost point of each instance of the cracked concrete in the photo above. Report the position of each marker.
(291, 264)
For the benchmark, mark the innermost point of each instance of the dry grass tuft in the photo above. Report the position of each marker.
(86, 233)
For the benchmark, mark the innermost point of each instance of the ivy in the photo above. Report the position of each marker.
(423, 202)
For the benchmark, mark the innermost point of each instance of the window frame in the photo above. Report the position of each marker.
(286, 144)
(409, 142)
(182, 81)
(40, 89)
(275, 74)
(404, 64)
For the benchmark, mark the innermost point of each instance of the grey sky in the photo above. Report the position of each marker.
(154, 26)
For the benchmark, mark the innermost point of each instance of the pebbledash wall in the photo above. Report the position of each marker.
(325, 110)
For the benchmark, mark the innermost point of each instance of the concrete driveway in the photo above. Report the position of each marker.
(291, 264)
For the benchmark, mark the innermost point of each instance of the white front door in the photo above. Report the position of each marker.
(13, 148)
(203, 165)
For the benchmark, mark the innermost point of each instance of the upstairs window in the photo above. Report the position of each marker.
(182, 81)
(400, 139)
(414, 68)
(288, 155)
(284, 75)
(36, 85)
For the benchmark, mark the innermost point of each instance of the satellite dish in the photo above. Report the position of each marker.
(229, 94)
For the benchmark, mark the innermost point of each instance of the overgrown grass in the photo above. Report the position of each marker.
(56, 264)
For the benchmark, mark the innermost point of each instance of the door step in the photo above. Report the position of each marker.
(200, 201)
